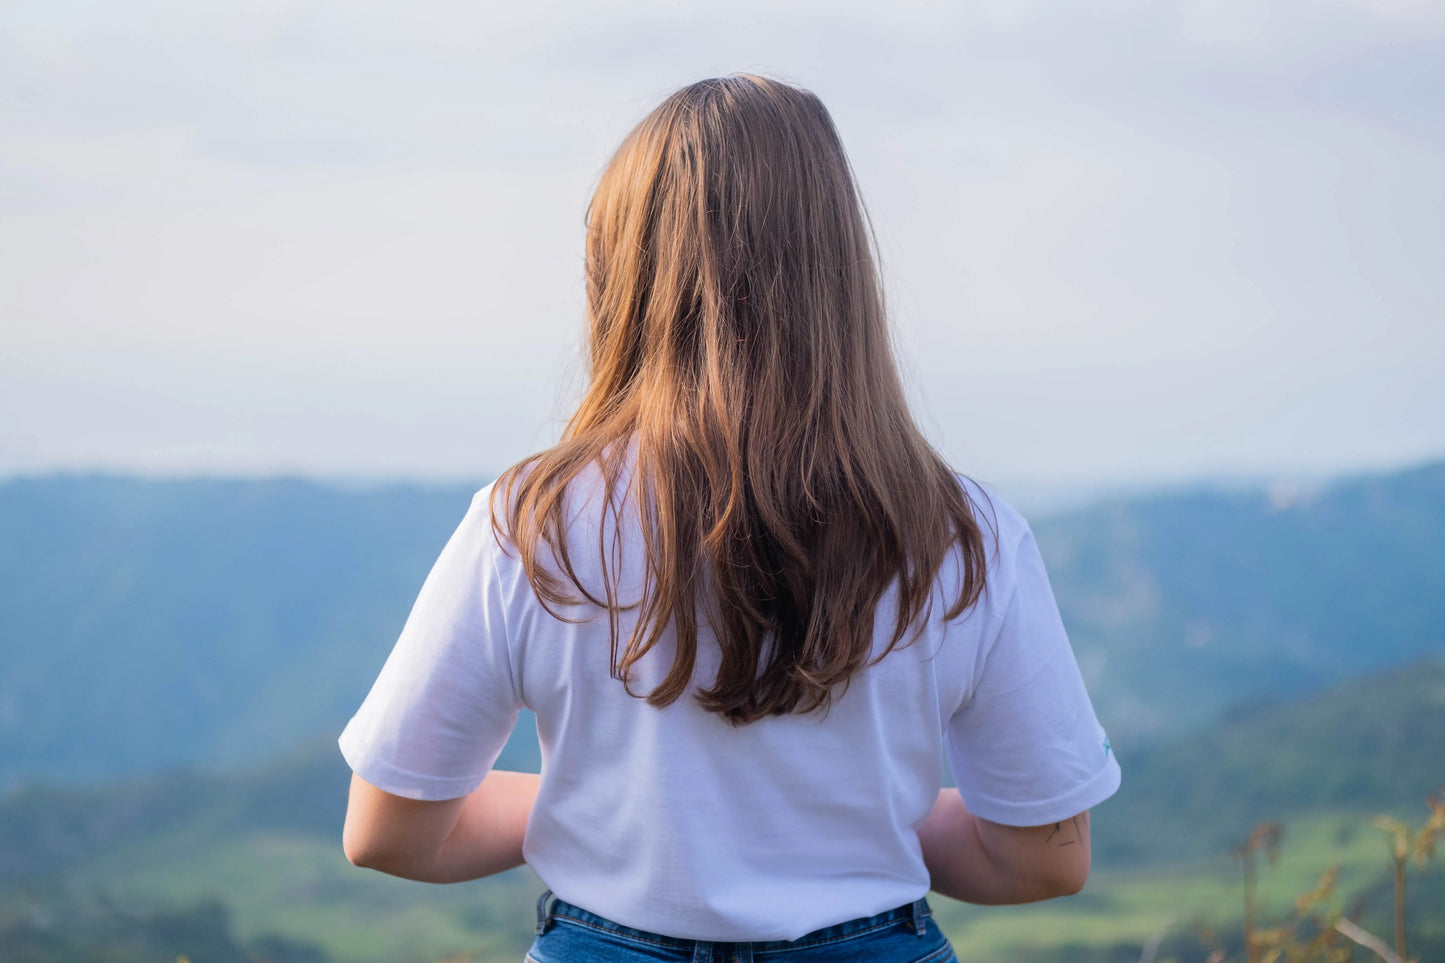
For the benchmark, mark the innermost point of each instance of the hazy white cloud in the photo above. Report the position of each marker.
(1122, 240)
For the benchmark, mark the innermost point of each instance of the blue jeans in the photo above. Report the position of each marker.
(569, 934)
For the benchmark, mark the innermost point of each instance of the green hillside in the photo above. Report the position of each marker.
(257, 857)
(1199, 905)
(1376, 745)
(291, 898)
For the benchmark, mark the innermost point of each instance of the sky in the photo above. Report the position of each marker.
(1124, 243)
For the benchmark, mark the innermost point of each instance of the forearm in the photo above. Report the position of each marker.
(480, 836)
(976, 861)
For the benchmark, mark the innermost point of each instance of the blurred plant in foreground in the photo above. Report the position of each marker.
(1405, 843)
(1319, 931)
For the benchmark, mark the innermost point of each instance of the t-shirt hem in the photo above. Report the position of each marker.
(401, 782)
(1085, 796)
(648, 914)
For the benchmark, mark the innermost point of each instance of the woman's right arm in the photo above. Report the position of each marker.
(978, 861)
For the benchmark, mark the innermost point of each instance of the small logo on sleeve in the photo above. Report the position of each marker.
(1107, 747)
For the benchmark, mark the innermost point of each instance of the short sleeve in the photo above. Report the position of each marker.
(1026, 747)
(445, 702)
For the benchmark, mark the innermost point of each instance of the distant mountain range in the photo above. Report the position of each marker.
(183, 653)
(1185, 605)
(147, 625)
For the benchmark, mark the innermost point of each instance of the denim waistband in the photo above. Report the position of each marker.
(915, 914)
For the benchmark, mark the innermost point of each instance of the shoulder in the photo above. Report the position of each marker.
(481, 534)
(554, 517)
(1003, 526)
(486, 502)
(582, 487)
(1007, 538)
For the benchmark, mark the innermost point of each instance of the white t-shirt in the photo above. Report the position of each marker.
(673, 821)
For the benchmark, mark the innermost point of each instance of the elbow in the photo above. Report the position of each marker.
(1072, 884)
(389, 856)
(1053, 878)
(390, 863)
(1066, 880)
(367, 854)
(357, 852)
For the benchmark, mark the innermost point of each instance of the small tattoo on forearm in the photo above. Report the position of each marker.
(1078, 827)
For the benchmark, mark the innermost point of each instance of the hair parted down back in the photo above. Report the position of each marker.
(737, 336)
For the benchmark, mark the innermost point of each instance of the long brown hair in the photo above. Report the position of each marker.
(738, 344)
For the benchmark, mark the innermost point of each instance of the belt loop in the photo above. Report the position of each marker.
(542, 915)
(920, 913)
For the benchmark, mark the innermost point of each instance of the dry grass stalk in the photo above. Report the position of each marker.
(1266, 836)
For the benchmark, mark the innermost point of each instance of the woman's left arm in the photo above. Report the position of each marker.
(445, 841)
